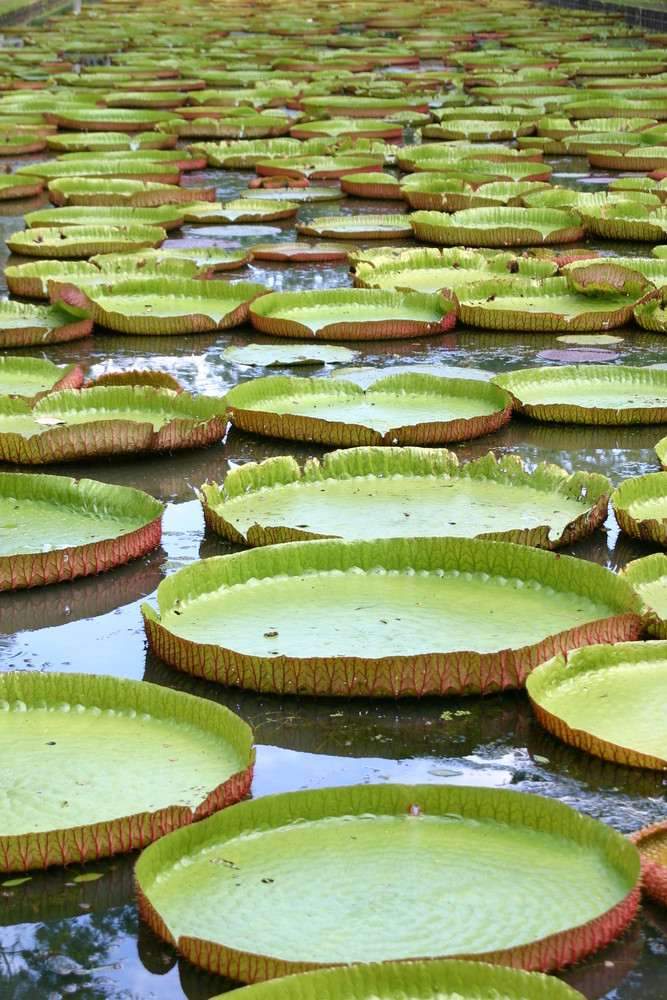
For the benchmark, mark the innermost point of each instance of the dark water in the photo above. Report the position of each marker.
(60, 937)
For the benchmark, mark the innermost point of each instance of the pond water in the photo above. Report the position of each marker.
(77, 933)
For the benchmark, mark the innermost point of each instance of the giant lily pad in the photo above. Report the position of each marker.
(357, 227)
(166, 305)
(31, 280)
(653, 315)
(352, 314)
(120, 763)
(626, 220)
(240, 210)
(651, 843)
(607, 700)
(504, 876)
(498, 227)
(147, 170)
(384, 493)
(106, 142)
(640, 506)
(589, 394)
(70, 528)
(209, 258)
(302, 252)
(25, 325)
(105, 420)
(648, 577)
(598, 297)
(281, 355)
(31, 378)
(165, 216)
(373, 185)
(84, 241)
(424, 980)
(398, 409)
(139, 194)
(480, 615)
(108, 119)
(14, 186)
(297, 194)
(317, 167)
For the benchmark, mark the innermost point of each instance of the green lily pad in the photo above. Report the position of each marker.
(468, 600)
(240, 210)
(31, 280)
(479, 130)
(589, 394)
(373, 185)
(147, 170)
(95, 191)
(385, 493)
(14, 186)
(590, 339)
(498, 227)
(626, 220)
(557, 876)
(299, 195)
(70, 528)
(246, 153)
(106, 142)
(607, 700)
(210, 258)
(651, 842)
(317, 167)
(84, 241)
(597, 297)
(648, 578)
(26, 325)
(367, 375)
(302, 252)
(31, 378)
(280, 355)
(455, 981)
(335, 127)
(120, 763)
(108, 119)
(352, 314)
(400, 409)
(430, 270)
(357, 227)
(640, 506)
(157, 305)
(653, 315)
(106, 421)
(165, 216)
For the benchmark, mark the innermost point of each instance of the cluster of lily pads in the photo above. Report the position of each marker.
(388, 568)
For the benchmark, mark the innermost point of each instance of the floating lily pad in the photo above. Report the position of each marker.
(653, 315)
(317, 167)
(280, 355)
(335, 127)
(106, 142)
(640, 506)
(120, 763)
(93, 191)
(474, 623)
(106, 421)
(589, 298)
(14, 186)
(366, 375)
(26, 325)
(651, 843)
(302, 252)
(240, 210)
(166, 305)
(32, 280)
(398, 409)
(300, 195)
(564, 883)
(498, 227)
(358, 227)
(165, 216)
(373, 185)
(30, 378)
(590, 339)
(607, 700)
(108, 119)
(84, 241)
(210, 258)
(648, 577)
(423, 980)
(626, 220)
(589, 394)
(385, 493)
(352, 314)
(70, 528)
(147, 170)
